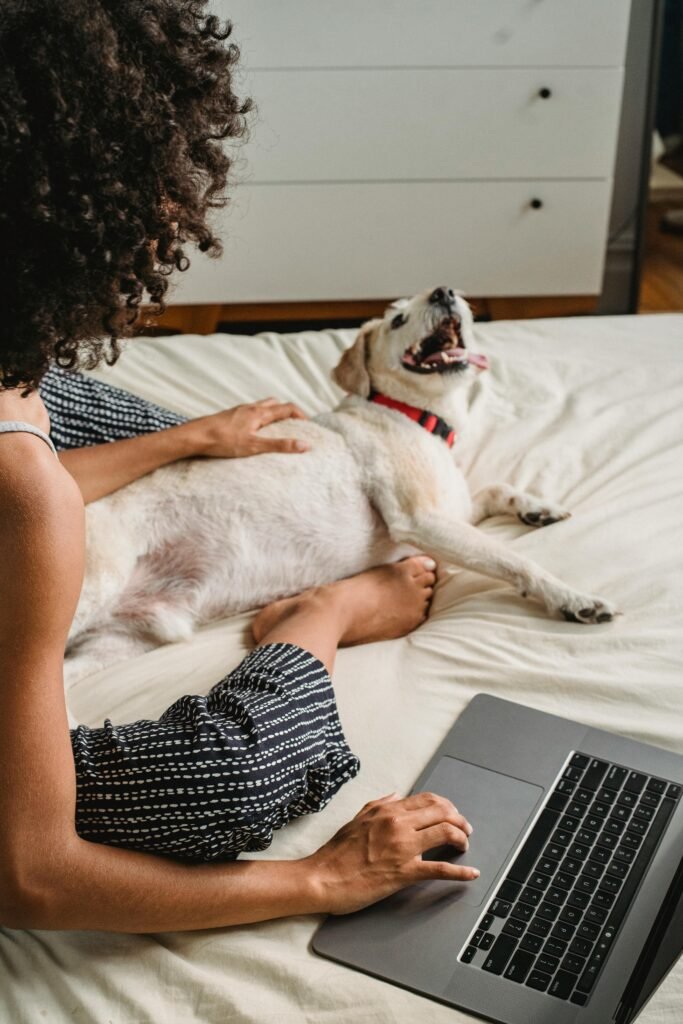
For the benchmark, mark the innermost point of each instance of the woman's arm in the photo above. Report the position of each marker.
(49, 877)
(104, 468)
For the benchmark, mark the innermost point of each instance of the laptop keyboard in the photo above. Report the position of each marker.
(554, 918)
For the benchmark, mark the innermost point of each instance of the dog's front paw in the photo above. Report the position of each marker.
(586, 609)
(541, 513)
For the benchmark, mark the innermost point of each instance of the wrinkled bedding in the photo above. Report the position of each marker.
(588, 411)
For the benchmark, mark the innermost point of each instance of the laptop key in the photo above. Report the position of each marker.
(596, 915)
(538, 980)
(635, 782)
(592, 822)
(580, 947)
(600, 855)
(575, 809)
(562, 985)
(573, 963)
(561, 837)
(644, 813)
(578, 852)
(578, 899)
(589, 931)
(531, 896)
(532, 943)
(579, 998)
(618, 869)
(547, 911)
(586, 836)
(573, 774)
(605, 795)
(594, 774)
(650, 799)
(610, 884)
(572, 915)
(608, 840)
(614, 826)
(579, 761)
(565, 786)
(519, 966)
(500, 908)
(563, 880)
(603, 899)
(554, 851)
(486, 921)
(599, 810)
(522, 912)
(583, 796)
(513, 927)
(638, 826)
(593, 868)
(615, 777)
(540, 927)
(569, 824)
(656, 786)
(554, 947)
(509, 891)
(587, 884)
(547, 866)
(538, 880)
(571, 866)
(674, 791)
(546, 963)
(631, 840)
(499, 954)
(620, 813)
(557, 802)
(469, 954)
(563, 931)
(626, 799)
(535, 842)
(556, 896)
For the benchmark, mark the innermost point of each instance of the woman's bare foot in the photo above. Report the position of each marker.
(380, 604)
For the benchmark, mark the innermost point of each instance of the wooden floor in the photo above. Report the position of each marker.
(661, 290)
(662, 281)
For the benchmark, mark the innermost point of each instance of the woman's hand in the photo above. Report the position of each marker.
(380, 851)
(235, 432)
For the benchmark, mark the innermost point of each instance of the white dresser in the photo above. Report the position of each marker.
(402, 143)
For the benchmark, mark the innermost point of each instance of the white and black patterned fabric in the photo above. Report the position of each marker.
(84, 411)
(215, 776)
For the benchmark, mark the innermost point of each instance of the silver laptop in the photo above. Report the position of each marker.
(576, 915)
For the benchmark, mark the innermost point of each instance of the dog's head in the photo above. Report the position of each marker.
(418, 352)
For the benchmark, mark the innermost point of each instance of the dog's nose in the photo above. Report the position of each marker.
(443, 297)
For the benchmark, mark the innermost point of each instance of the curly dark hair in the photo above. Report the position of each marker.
(112, 119)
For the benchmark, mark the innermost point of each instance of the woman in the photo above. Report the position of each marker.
(112, 115)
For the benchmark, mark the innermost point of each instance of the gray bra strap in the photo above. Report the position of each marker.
(16, 426)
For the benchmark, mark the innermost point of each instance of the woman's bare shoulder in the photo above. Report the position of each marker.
(35, 489)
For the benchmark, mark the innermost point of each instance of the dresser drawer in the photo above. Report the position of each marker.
(399, 124)
(351, 241)
(428, 33)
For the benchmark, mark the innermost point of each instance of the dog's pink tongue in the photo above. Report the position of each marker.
(478, 360)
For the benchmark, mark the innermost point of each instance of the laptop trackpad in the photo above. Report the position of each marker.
(497, 806)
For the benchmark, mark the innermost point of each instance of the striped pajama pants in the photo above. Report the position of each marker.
(215, 775)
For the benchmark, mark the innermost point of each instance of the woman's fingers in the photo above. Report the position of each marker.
(281, 444)
(443, 834)
(431, 809)
(271, 411)
(441, 869)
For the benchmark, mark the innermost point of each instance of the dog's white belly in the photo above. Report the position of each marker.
(206, 538)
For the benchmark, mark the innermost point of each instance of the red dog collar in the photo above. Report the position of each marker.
(429, 420)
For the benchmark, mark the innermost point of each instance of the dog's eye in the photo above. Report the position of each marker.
(398, 321)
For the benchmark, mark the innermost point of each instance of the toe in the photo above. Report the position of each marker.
(417, 565)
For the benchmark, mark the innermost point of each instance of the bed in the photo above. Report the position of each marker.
(587, 410)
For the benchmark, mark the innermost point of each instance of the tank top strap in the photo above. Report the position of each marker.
(17, 426)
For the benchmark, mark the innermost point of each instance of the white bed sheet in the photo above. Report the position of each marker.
(588, 411)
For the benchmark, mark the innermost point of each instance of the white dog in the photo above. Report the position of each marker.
(205, 538)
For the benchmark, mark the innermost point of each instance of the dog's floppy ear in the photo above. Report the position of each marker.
(351, 373)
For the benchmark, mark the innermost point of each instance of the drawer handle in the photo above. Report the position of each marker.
(536, 204)
(545, 93)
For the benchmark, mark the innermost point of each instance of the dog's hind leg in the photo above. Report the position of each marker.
(503, 500)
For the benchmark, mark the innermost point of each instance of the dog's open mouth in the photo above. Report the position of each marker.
(441, 351)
